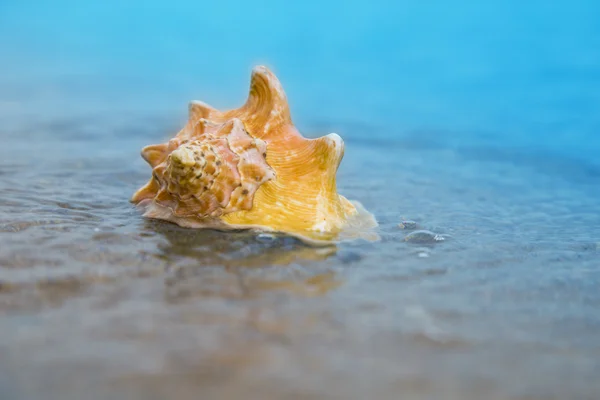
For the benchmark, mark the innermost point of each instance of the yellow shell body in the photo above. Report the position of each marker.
(268, 176)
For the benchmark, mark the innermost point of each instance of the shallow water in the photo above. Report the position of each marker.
(97, 302)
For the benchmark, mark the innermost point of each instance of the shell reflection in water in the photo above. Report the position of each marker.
(250, 168)
(243, 266)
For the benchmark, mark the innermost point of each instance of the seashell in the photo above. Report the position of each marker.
(250, 168)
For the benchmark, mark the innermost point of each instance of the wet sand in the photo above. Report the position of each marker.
(96, 302)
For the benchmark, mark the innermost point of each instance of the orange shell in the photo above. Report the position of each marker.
(251, 168)
(213, 169)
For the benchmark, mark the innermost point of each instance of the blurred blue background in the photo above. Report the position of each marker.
(523, 76)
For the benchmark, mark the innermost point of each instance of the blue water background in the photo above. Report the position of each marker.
(522, 77)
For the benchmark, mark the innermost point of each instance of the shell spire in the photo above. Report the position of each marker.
(267, 106)
(250, 168)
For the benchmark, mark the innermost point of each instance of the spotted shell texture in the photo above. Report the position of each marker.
(213, 170)
(250, 168)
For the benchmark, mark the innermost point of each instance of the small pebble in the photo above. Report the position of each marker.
(265, 237)
(407, 225)
(423, 236)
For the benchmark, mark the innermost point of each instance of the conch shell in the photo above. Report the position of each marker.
(251, 168)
